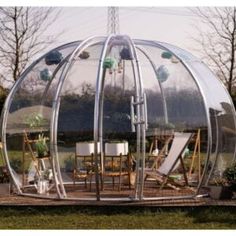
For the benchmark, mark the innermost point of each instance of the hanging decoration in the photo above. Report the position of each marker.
(45, 75)
(174, 60)
(125, 54)
(162, 73)
(53, 58)
(84, 55)
(110, 63)
(166, 55)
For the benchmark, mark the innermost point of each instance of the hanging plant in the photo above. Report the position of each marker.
(53, 58)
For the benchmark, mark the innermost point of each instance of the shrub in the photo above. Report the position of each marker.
(230, 176)
(4, 176)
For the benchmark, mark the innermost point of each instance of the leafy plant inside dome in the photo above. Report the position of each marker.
(35, 120)
(41, 146)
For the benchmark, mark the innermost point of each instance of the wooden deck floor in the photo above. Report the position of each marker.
(14, 200)
(108, 196)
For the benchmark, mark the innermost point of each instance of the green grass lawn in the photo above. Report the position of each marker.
(116, 217)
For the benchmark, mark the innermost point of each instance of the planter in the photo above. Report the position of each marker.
(86, 148)
(220, 192)
(4, 189)
(115, 149)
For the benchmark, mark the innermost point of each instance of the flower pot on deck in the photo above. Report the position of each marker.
(220, 192)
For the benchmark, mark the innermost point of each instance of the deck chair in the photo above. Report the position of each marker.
(171, 162)
(157, 159)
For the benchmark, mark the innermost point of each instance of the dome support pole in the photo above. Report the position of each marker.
(4, 117)
(141, 124)
(98, 115)
(56, 106)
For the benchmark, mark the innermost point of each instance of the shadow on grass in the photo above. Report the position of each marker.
(216, 215)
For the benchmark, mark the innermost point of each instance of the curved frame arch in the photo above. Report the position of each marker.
(56, 105)
(5, 111)
(206, 105)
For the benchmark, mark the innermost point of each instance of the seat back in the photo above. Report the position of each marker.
(179, 143)
(116, 156)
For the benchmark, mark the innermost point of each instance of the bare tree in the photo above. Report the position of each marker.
(21, 37)
(217, 38)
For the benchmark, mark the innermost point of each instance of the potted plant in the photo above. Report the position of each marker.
(41, 146)
(221, 189)
(230, 175)
(35, 120)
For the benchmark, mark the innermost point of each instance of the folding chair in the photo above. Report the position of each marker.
(171, 162)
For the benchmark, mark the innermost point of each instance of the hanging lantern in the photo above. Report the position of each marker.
(84, 55)
(53, 58)
(166, 55)
(45, 75)
(125, 54)
(109, 63)
(174, 60)
(162, 73)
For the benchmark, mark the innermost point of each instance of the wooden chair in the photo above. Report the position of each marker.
(117, 166)
(114, 167)
(85, 166)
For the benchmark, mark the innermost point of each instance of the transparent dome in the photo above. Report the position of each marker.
(119, 119)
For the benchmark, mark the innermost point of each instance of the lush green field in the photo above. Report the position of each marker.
(75, 217)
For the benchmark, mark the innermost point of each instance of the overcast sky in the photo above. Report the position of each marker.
(172, 22)
(169, 24)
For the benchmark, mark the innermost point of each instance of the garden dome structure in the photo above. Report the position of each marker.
(119, 119)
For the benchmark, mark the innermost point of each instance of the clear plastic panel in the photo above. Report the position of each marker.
(222, 117)
(175, 88)
(118, 136)
(28, 124)
(76, 124)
